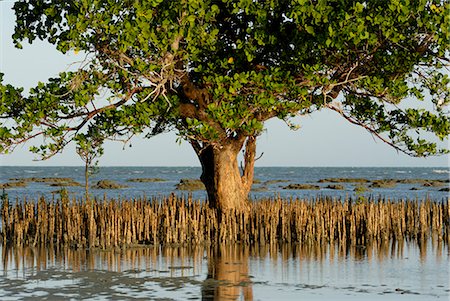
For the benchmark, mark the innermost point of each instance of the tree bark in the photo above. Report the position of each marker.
(86, 181)
(226, 186)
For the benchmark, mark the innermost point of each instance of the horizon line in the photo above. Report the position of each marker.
(276, 166)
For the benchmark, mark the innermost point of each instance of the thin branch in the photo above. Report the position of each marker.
(88, 115)
(369, 129)
(259, 157)
(29, 137)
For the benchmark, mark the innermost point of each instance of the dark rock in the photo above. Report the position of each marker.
(343, 180)
(447, 189)
(190, 184)
(383, 184)
(108, 184)
(302, 186)
(51, 180)
(415, 188)
(270, 182)
(21, 179)
(411, 181)
(146, 180)
(433, 183)
(336, 187)
(13, 184)
(424, 182)
(44, 180)
(65, 184)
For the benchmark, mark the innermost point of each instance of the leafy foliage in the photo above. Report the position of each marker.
(89, 149)
(216, 70)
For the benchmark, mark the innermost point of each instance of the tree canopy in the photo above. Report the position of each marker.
(214, 71)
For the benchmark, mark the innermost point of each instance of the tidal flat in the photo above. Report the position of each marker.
(386, 271)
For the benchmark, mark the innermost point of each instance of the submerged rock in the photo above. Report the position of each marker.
(21, 179)
(335, 187)
(275, 181)
(411, 181)
(433, 183)
(383, 184)
(190, 184)
(302, 186)
(108, 184)
(343, 180)
(65, 184)
(445, 189)
(13, 184)
(49, 180)
(146, 180)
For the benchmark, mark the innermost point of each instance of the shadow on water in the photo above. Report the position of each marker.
(227, 272)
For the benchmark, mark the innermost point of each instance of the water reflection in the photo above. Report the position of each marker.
(229, 272)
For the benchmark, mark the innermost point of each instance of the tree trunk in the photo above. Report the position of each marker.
(86, 181)
(226, 186)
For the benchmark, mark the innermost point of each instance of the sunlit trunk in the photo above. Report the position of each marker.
(227, 186)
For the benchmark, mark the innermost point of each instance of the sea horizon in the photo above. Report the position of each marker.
(259, 166)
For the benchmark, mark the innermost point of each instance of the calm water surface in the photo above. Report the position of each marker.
(391, 271)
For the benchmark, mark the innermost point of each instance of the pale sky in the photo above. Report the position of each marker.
(324, 139)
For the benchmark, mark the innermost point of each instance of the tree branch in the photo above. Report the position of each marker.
(200, 96)
(249, 162)
(91, 114)
(369, 129)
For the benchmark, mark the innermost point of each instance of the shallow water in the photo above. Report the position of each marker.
(389, 271)
(263, 189)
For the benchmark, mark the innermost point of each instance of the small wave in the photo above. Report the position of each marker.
(138, 171)
(402, 171)
(441, 171)
(30, 171)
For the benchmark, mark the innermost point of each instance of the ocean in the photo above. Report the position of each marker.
(381, 270)
(269, 182)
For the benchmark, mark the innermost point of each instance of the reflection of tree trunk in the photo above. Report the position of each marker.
(227, 274)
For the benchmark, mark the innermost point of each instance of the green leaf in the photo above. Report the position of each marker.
(309, 29)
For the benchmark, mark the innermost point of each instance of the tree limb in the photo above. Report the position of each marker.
(369, 129)
(249, 162)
